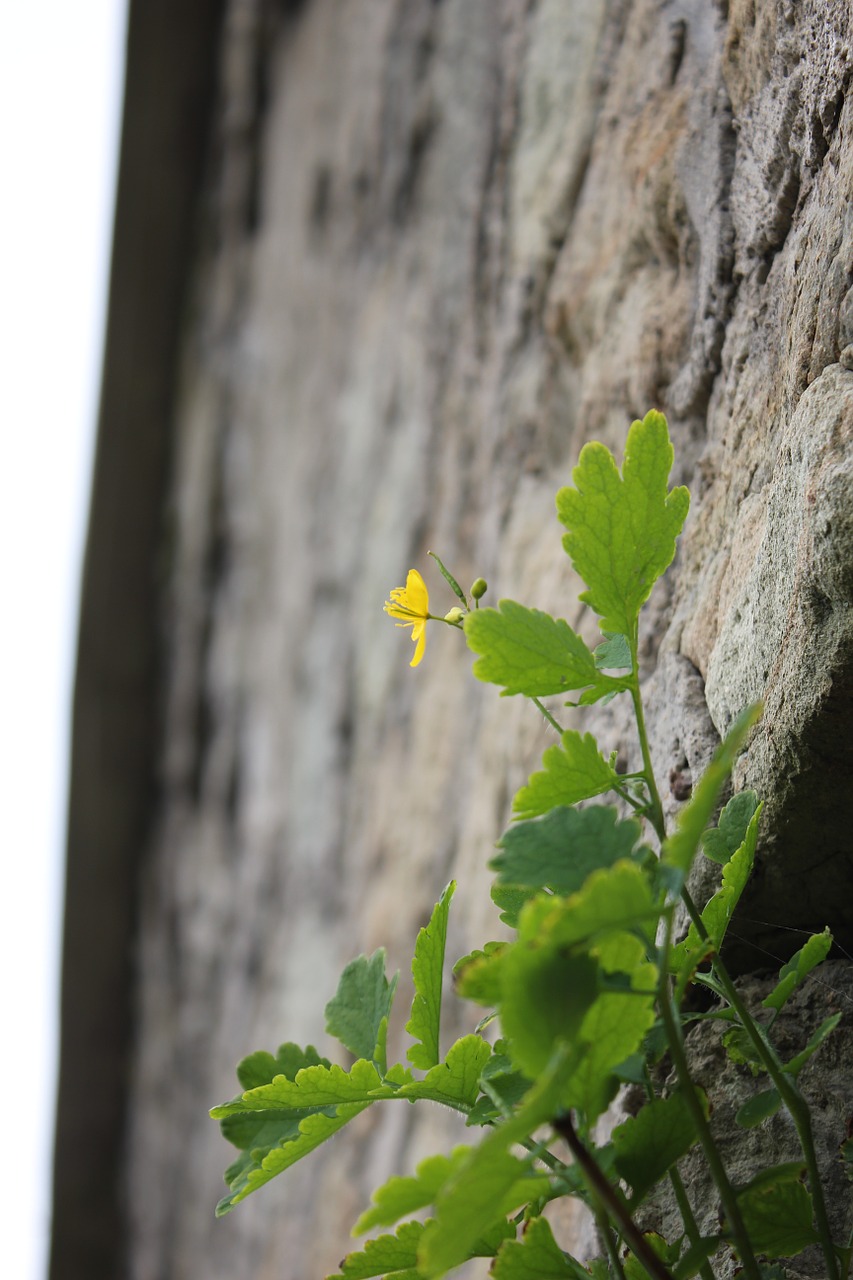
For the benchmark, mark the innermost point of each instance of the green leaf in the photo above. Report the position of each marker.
(357, 1014)
(467, 1208)
(427, 972)
(554, 992)
(622, 529)
(262, 1068)
(509, 899)
(741, 1051)
(777, 1211)
(795, 1066)
(312, 1132)
(492, 1182)
(536, 1256)
(798, 967)
(681, 847)
(454, 1082)
(720, 909)
(529, 652)
(478, 975)
(503, 1088)
(722, 841)
(573, 770)
(649, 1144)
(759, 1108)
(398, 1197)
(561, 849)
(614, 654)
(392, 1256)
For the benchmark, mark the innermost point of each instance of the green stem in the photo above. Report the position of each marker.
(694, 1235)
(655, 809)
(697, 1111)
(547, 714)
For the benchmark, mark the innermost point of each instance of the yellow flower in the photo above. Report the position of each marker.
(411, 604)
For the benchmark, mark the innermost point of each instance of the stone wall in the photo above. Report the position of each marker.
(444, 243)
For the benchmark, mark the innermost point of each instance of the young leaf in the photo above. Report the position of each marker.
(622, 529)
(722, 841)
(649, 1144)
(536, 1256)
(575, 770)
(357, 1014)
(777, 1211)
(530, 652)
(681, 847)
(798, 967)
(561, 849)
(427, 972)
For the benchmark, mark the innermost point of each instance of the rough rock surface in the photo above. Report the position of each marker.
(445, 243)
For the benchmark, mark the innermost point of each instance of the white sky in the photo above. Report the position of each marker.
(61, 71)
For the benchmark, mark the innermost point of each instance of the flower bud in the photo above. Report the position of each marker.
(454, 615)
(479, 588)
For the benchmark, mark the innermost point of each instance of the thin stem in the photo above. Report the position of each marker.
(694, 1235)
(611, 1201)
(547, 714)
(788, 1091)
(697, 1111)
(787, 1087)
(655, 809)
(691, 1226)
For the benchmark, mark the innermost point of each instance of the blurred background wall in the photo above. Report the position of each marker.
(380, 268)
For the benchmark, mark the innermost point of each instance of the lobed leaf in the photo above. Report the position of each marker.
(777, 1211)
(573, 771)
(357, 1014)
(647, 1145)
(398, 1197)
(681, 847)
(622, 529)
(312, 1132)
(798, 967)
(529, 652)
(720, 909)
(562, 848)
(391, 1256)
(492, 1181)
(536, 1256)
(454, 1082)
(427, 971)
(722, 841)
